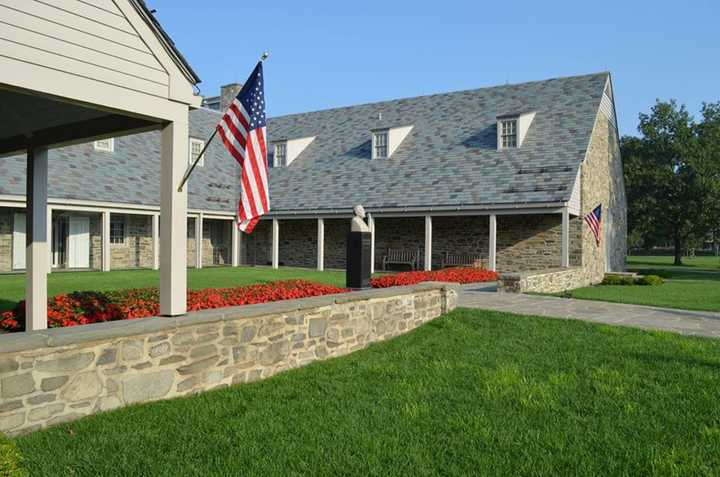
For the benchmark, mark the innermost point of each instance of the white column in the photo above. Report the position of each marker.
(565, 239)
(235, 243)
(37, 238)
(275, 243)
(105, 233)
(492, 244)
(199, 240)
(371, 224)
(173, 226)
(428, 243)
(321, 244)
(156, 240)
(51, 258)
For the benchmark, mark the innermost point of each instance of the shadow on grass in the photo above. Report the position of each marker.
(678, 274)
(653, 359)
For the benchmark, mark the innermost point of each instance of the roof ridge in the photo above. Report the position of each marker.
(422, 96)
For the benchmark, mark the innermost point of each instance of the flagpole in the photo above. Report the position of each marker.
(185, 178)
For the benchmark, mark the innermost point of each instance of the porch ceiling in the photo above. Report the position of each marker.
(36, 120)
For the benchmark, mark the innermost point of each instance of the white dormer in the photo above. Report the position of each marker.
(385, 141)
(512, 129)
(287, 150)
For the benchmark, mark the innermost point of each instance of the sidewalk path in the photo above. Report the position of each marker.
(698, 323)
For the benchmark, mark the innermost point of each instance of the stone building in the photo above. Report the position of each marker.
(501, 176)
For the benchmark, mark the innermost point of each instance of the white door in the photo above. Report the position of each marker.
(19, 242)
(79, 242)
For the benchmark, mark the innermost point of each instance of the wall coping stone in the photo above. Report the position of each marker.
(59, 337)
(536, 273)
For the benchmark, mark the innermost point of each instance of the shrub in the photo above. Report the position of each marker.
(11, 461)
(650, 280)
(623, 280)
(455, 275)
(660, 273)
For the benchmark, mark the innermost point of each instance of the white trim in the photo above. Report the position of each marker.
(156, 241)
(565, 239)
(37, 254)
(371, 224)
(234, 244)
(199, 225)
(105, 232)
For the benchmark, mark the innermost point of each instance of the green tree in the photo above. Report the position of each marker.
(671, 176)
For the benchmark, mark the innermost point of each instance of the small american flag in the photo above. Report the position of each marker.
(594, 221)
(242, 130)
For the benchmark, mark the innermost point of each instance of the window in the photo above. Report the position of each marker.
(117, 229)
(280, 158)
(508, 133)
(105, 145)
(196, 147)
(380, 144)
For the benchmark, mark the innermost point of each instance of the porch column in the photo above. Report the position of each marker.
(428, 243)
(321, 244)
(371, 224)
(36, 240)
(492, 244)
(199, 240)
(105, 240)
(173, 210)
(235, 244)
(51, 258)
(156, 240)
(275, 243)
(565, 239)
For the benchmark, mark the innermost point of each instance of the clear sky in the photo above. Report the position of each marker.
(337, 53)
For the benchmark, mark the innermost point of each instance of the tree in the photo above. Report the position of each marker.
(671, 175)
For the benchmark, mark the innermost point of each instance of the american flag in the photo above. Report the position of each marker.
(594, 221)
(242, 130)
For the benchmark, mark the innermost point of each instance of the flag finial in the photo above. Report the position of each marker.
(264, 56)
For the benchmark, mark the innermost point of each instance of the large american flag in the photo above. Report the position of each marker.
(243, 132)
(594, 221)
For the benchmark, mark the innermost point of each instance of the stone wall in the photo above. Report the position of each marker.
(403, 233)
(298, 243)
(217, 242)
(256, 246)
(191, 257)
(137, 251)
(63, 374)
(546, 281)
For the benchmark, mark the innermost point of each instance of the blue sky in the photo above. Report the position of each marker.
(336, 53)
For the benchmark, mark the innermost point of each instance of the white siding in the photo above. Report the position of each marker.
(91, 39)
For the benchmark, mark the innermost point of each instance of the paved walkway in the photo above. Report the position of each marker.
(698, 323)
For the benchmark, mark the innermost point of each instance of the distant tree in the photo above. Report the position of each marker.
(671, 176)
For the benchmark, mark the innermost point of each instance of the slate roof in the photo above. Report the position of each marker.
(131, 174)
(450, 157)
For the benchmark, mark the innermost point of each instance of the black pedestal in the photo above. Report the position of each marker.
(357, 274)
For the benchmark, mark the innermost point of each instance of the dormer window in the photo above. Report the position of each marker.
(512, 129)
(380, 144)
(508, 133)
(105, 145)
(280, 157)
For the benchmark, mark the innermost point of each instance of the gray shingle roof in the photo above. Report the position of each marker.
(450, 156)
(131, 174)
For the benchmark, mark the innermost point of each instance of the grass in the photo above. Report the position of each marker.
(12, 287)
(694, 286)
(472, 393)
(706, 263)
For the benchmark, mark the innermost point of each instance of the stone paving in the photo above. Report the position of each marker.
(697, 323)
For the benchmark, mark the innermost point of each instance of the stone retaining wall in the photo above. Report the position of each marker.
(546, 281)
(59, 375)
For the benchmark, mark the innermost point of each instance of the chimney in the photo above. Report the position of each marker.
(227, 94)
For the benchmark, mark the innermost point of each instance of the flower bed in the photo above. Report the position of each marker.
(454, 275)
(81, 308)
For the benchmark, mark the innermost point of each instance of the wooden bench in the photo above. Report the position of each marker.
(401, 257)
(460, 259)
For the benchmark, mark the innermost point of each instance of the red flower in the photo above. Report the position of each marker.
(454, 275)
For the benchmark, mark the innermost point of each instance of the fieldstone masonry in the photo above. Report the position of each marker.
(60, 375)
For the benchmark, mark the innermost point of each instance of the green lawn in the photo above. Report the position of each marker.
(472, 393)
(12, 287)
(708, 263)
(695, 286)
